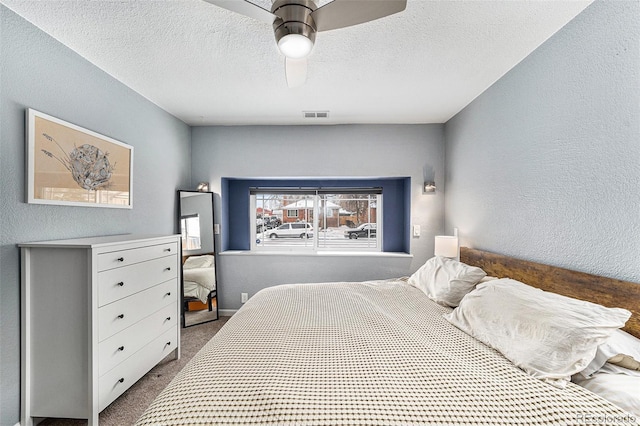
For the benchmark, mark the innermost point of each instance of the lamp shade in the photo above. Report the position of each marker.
(446, 246)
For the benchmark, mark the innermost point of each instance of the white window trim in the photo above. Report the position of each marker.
(313, 248)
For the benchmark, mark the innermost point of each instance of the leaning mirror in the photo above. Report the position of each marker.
(199, 284)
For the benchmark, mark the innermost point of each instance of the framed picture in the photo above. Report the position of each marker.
(70, 165)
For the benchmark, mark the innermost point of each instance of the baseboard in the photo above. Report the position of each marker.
(227, 312)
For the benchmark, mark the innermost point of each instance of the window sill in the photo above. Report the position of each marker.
(321, 253)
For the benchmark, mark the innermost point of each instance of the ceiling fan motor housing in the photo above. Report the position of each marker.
(294, 17)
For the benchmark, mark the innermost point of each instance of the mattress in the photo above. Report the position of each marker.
(374, 353)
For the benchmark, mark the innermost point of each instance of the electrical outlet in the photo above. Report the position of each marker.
(216, 228)
(416, 230)
(244, 297)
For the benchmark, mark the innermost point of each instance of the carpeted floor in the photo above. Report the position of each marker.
(131, 404)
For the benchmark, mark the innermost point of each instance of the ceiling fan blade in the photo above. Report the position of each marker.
(245, 8)
(295, 71)
(345, 13)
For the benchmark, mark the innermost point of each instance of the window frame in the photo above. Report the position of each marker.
(317, 195)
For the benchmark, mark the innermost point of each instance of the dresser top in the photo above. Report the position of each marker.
(102, 241)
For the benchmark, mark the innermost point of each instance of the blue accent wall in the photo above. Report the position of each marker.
(396, 207)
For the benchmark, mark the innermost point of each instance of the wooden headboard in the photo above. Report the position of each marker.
(186, 256)
(579, 285)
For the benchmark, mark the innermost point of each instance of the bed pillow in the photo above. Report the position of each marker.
(205, 261)
(446, 281)
(621, 390)
(620, 343)
(625, 361)
(550, 336)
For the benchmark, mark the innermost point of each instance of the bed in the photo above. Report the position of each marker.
(374, 353)
(199, 279)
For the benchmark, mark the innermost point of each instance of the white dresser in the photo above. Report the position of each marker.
(97, 314)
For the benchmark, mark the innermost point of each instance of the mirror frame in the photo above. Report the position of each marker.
(182, 256)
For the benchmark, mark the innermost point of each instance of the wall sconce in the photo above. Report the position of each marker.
(447, 245)
(203, 187)
(429, 186)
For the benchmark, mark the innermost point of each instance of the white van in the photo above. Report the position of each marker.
(291, 230)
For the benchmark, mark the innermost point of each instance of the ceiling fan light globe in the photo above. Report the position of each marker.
(295, 46)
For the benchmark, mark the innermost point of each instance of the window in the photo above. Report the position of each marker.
(238, 221)
(190, 230)
(317, 218)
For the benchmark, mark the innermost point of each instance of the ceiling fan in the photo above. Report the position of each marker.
(296, 22)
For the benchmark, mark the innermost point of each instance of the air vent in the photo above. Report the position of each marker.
(315, 114)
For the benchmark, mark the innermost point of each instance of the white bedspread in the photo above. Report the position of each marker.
(374, 353)
(199, 282)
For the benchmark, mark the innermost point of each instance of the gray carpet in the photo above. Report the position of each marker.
(131, 404)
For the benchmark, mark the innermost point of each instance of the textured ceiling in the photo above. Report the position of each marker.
(206, 65)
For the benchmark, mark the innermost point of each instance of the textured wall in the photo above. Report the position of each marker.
(322, 151)
(545, 165)
(38, 72)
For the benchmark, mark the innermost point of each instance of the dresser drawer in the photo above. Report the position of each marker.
(117, 316)
(117, 259)
(117, 283)
(119, 379)
(121, 346)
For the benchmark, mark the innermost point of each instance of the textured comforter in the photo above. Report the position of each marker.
(371, 353)
(199, 282)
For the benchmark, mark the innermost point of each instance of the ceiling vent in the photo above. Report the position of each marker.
(315, 114)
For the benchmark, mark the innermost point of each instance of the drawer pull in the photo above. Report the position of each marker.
(121, 316)
(168, 344)
(168, 268)
(167, 249)
(120, 284)
(121, 380)
(120, 259)
(168, 318)
(168, 294)
(121, 348)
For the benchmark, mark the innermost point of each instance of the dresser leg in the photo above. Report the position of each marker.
(176, 353)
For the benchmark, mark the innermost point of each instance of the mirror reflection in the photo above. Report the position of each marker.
(190, 230)
(195, 222)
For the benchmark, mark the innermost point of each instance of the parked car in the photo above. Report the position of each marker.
(365, 230)
(291, 230)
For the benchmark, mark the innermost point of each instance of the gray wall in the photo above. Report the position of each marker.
(38, 72)
(545, 165)
(322, 151)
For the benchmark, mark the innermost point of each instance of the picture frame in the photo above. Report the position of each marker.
(70, 165)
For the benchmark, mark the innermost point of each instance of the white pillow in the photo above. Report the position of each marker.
(619, 389)
(549, 336)
(205, 261)
(446, 281)
(620, 342)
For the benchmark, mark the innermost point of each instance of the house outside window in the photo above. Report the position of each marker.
(317, 219)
